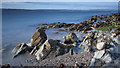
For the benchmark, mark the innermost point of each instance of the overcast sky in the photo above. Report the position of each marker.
(59, 0)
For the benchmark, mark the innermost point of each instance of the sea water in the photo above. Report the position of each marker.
(18, 18)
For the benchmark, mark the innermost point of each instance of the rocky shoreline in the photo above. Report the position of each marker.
(74, 51)
(95, 22)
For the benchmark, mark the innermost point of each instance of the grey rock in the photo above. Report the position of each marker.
(21, 48)
(38, 38)
(50, 49)
(71, 38)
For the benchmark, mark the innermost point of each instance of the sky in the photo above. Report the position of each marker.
(59, 1)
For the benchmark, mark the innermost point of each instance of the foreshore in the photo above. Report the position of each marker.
(70, 50)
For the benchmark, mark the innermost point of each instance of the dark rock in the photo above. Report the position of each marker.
(61, 30)
(62, 65)
(71, 38)
(87, 28)
(42, 24)
(98, 24)
(104, 16)
(99, 18)
(38, 38)
(6, 66)
(44, 27)
(92, 20)
(56, 32)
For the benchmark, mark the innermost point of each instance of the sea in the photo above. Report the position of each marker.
(19, 20)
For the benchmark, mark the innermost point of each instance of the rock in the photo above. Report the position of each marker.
(95, 25)
(51, 25)
(86, 28)
(21, 48)
(71, 52)
(61, 30)
(92, 20)
(100, 34)
(76, 65)
(99, 54)
(38, 38)
(37, 27)
(104, 16)
(2, 50)
(34, 50)
(116, 32)
(107, 58)
(42, 24)
(100, 46)
(56, 32)
(71, 38)
(6, 66)
(89, 36)
(88, 42)
(44, 27)
(117, 39)
(69, 29)
(51, 48)
(62, 65)
(98, 24)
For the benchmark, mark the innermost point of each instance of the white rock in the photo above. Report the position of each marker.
(99, 54)
(100, 45)
(107, 58)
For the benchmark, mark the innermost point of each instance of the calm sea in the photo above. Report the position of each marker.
(17, 18)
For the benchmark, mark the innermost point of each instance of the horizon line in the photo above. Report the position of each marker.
(60, 1)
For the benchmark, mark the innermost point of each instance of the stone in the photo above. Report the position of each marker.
(56, 32)
(34, 50)
(37, 27)
(100, 34)
(71, 52)
(116, 32)
(100, 39)
(6, 66)
(71, 38)
(99, 54)
(117, 39)
(51, 48)
(86, 28)
(2, 50)
(61, 30)
(100, 45)
(38, 38)
(21, 48)
(62, 65)
(44, 27)
(107, 58)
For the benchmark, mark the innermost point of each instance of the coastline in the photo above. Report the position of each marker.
(60, 34)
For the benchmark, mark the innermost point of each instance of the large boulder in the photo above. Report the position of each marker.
(38, 38)
(71, 38)
(51, 48)
(21, 48)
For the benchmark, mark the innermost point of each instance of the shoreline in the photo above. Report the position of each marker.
(82, 24)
